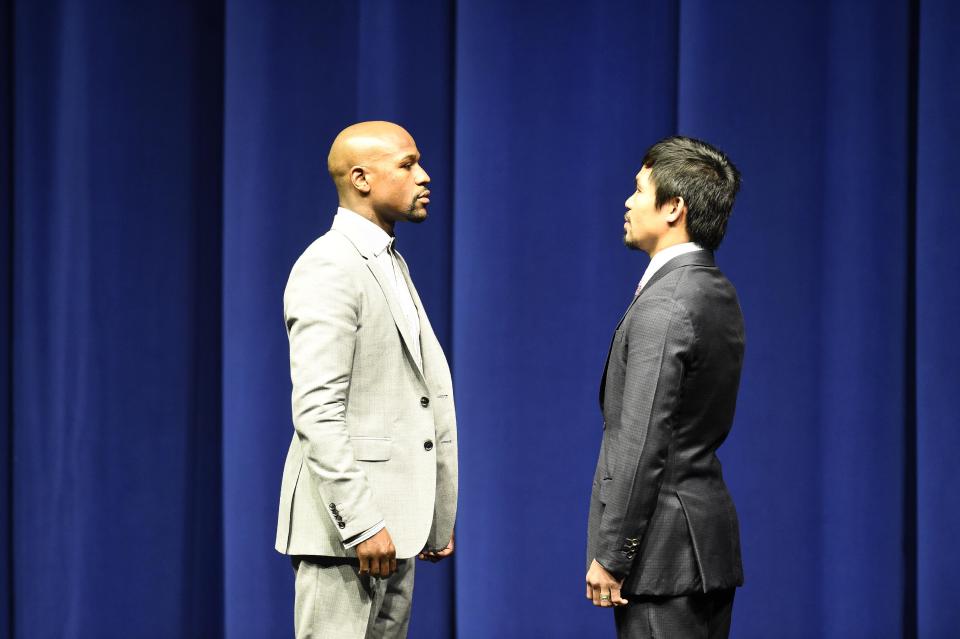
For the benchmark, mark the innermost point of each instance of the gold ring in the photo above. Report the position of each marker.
(604, 597)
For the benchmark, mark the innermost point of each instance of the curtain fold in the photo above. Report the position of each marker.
(937, 305)
(162, 166)
(116, 307)
(6, 305)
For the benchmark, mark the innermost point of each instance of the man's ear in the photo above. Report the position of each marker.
(358, 178)
(678, 210)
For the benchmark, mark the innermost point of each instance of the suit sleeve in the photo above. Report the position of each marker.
(322, 307)
(659, 339)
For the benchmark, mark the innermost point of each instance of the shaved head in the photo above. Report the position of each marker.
(361, 144)
(376, 169)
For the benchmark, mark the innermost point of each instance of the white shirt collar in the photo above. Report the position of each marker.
(360, 229)
(664, 256)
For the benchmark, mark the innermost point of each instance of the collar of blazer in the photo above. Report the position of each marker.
(392, 302)
(695, 258)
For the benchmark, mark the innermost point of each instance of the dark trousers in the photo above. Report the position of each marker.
(697, 616)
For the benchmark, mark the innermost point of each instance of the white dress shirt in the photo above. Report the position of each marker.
(664, 256)
(380, 244)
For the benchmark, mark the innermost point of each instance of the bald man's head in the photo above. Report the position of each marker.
(376, 169)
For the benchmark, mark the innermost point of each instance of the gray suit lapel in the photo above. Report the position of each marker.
(422, 314)
(398, 317)
(393, 303)
(426, 330)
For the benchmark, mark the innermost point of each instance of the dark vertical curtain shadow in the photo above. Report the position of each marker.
(6, 316)
(937, 306)
(910, 620)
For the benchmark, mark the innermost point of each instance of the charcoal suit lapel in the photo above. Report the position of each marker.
(698, 258)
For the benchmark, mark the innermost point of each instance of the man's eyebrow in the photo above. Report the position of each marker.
(410, 156)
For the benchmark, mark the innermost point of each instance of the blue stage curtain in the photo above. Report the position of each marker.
(6, 305)
(163, 164)
(937, 264)
(116, 284)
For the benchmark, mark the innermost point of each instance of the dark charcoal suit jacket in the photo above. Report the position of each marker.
(660, 513)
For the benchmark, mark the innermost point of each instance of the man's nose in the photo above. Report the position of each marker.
(423, 178)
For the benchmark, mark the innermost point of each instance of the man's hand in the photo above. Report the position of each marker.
(603, 588)
(377, 555)
(437, 555)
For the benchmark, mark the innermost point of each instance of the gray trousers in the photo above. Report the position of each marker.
(333, 601)
(698, 616)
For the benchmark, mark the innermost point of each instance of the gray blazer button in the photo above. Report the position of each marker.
(333, 507)
(428, 445)
(424, 402)
(341, 525)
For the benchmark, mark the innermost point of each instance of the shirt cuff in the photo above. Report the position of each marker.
(365, 535)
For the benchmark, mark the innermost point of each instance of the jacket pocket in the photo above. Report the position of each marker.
(605, 484)
(371, 448)
(694, 541)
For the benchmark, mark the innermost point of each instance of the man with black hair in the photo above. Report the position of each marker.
(663, 545)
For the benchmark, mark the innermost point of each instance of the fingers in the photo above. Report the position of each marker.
(383, 565)
(377, 556)
(605, 595)
(616, 598)
(434, 556)
(387, 563)
(602, 587)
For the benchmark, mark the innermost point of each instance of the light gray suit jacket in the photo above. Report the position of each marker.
(375, 432)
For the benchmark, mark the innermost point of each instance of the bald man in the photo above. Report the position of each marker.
(370, 479)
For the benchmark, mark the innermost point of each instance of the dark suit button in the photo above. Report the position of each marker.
(339, 518)
(424, 402)
(428, 445)
(341, 524)
(333, 507)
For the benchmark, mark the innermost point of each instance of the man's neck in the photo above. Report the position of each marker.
(370, 215)
(666, 242)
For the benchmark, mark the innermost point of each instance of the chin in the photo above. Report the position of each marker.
(417, 215)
